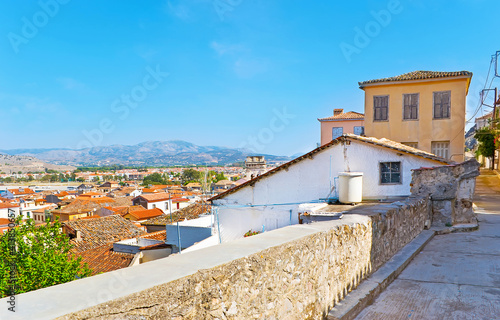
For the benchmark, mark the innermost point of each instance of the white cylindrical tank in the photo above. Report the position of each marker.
(350, 187)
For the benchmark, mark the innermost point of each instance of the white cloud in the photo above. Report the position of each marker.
(180, 11)
(223, 49)
(71, 84)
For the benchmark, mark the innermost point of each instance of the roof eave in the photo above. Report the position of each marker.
(362, 85)
(348, 119)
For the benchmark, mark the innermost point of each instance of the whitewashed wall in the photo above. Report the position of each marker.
(310, 180)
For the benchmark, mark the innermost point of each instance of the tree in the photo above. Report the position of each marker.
(190, 175)
(486, 147)
(39, 257)
(154, 178)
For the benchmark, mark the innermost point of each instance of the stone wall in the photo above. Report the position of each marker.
(451, 189)
(297, 272)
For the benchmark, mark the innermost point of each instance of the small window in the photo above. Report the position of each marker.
(380, 108)
(390, 172)
(411, 144)
(442, 104)
(441, 148)
(154, 206)
(359, 130)
(410, 106)
(337, 132)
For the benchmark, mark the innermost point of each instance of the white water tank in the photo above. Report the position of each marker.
(350, 187)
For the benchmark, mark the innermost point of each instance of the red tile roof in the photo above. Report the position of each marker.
(103, 259)
(418, 75)
(190, 212)
(97, 232)
(17, 192)
(351, 115)
(158, 235)
(162, 196)
(5, 205)
(145, 214)
(486, 116)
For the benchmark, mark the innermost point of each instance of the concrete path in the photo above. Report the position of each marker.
(456, 276)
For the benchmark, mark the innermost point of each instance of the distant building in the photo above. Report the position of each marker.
(422, 109)
(339, 123)
(255, 166)
(484, 121)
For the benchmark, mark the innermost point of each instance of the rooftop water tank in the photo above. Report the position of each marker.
(350, 187)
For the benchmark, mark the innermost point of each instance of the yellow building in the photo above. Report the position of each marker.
(422, 109)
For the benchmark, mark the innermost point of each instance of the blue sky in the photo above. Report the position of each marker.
(238, 73)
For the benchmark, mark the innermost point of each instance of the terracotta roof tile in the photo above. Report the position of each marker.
(351, 115)
(486, 116)
(419, 75)
(97, 232)
(5, 205)
(158, 235)
(161, 196)
(103, 259)
(145, 214)
(191, 212)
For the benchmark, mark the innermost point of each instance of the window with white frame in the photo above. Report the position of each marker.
(410, 106)
(390, 172)
(359, 130)
(442, 102)
(441, 149)
(380, 108)
(337, 132)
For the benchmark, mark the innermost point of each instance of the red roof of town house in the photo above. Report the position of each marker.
(158, 235)
(91, 194)
(97, 232)
(159, 186)
(162, 196)
(145, 214)
(180, 200)
(150, 190)
(21, 191)
(190, 212)
(351, 115)
(5, 205)
(418, 75)
(104, 259)
(4, 221)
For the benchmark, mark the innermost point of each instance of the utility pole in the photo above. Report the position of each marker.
(494, 123)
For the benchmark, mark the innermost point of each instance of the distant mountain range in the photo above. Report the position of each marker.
(154, 153)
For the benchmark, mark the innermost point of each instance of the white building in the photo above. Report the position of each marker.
(272, 200)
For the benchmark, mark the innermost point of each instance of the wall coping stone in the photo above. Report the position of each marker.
(66, 298)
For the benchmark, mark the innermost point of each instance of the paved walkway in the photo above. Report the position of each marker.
(456, 276)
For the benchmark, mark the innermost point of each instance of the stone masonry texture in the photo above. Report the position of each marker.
(300, 279)
(451, 189)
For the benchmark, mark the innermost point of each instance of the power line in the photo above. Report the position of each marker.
(480, 104)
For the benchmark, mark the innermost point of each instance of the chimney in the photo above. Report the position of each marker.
(336, 112)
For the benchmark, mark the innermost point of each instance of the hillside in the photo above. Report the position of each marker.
(12, 164)
(153, 153)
